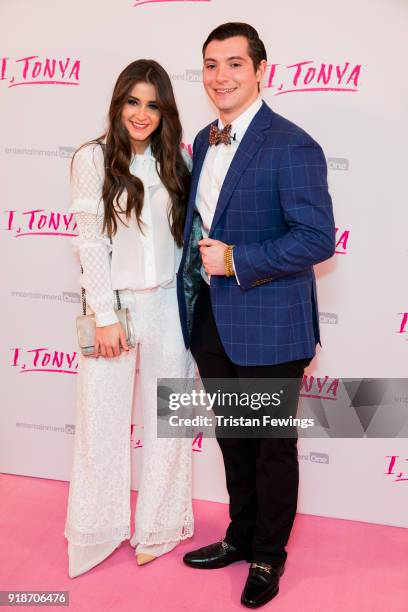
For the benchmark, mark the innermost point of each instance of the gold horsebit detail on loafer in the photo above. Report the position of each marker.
(265, 568)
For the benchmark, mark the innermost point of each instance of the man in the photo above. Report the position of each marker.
(259, 217)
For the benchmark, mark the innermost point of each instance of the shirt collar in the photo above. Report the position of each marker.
(147, 153)
(241, 123)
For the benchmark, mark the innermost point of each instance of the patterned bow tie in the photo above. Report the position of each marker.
(217, 136)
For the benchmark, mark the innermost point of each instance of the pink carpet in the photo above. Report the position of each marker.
(333, 565)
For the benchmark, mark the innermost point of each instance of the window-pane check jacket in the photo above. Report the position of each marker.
(275, 207)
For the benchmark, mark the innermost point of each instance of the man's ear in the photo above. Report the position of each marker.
(260, 71)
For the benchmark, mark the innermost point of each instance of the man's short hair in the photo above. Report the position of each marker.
(256, 48)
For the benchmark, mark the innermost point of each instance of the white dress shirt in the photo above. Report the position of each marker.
(215, 167)
(141, 259)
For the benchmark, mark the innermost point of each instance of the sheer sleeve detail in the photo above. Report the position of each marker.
(93, 249)
(87, 176)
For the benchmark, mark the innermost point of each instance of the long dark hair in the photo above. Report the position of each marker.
(165, 144)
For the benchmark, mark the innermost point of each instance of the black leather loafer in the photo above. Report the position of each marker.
(262, 584)
(214, 556)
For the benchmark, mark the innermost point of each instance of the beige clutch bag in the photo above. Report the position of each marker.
(86, 327)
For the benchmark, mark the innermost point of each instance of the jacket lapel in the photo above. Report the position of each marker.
(252, 140)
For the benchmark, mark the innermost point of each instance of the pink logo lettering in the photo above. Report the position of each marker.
(197, 444)
(341, 241)
(188, 148)
(33, 70)
(393, 470)
(310, 76)
(321, 388)
(39, 222)
(134, 438)
(44, 360)
(404, 322)
(140, 2)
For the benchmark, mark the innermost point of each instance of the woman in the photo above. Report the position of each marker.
(129, 191)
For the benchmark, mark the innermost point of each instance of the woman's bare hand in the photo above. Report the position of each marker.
(109, 339)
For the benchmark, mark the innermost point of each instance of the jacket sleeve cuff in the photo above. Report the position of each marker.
(233, 267)
(106, 318)
(242, 265)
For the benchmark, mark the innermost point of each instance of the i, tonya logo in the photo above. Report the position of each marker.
(320, 388)
(136, 439)
(403, 327)
(39, 222)
(140, 2)
(188, 148)
(342, 237)
(393, 467)
(311, 76)
(43, 359)
(197, 443)
(33, 70)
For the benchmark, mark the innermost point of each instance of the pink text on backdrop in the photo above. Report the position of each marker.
(393, 470)
(134, 439)
(321, 388)
(136, 442)
(404, 323)
(140, 2)
(341, 241)
(312, 76)
(188, 148)
(198, 442)
(38, 222)
(33, 70)
(42, 359)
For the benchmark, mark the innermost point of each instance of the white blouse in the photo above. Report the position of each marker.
(140, 259)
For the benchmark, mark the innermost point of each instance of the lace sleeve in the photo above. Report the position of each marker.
(87, 178)
(94, 251)
(91, 244)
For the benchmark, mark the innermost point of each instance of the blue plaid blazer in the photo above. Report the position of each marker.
(275, 207)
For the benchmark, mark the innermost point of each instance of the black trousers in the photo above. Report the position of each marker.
(262, 474)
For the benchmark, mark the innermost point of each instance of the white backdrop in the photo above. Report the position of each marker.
(350, 94)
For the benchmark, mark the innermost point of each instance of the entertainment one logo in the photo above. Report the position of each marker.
(43, 359)
(312, 76)
(403, 323)
(393, 467)
(66, 296)
(320, 388)
(314, 457)
(61, 152)
(342, 237)
(328, 317)
(33, 70)
(337, 163)
(140, 2)
(39, 222)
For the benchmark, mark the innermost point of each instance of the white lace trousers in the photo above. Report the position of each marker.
(98, 515)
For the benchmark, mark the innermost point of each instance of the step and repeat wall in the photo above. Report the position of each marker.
(337, 71)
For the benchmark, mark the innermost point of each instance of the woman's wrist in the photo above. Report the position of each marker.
(103, 319)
